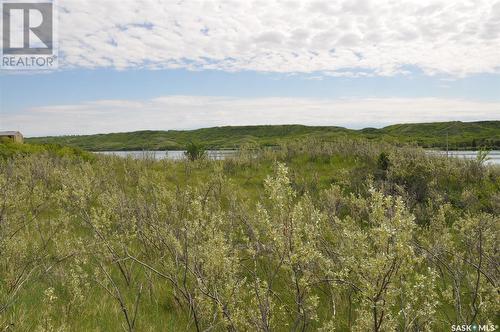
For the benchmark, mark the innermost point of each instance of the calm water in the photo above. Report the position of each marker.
(494, 156)
(172, 155)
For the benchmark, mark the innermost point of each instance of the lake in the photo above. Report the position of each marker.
(170, 154)
(494, 156)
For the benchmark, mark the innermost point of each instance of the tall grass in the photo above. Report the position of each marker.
(311, 236)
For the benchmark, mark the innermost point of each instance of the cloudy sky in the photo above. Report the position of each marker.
(149, 64)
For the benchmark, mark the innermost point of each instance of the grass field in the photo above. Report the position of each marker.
(347, 235)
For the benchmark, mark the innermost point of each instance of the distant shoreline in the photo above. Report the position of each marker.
(438, 136)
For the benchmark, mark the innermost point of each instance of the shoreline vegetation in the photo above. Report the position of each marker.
(439, 135)
(350, 235)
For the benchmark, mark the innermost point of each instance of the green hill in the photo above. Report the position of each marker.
(459, 135)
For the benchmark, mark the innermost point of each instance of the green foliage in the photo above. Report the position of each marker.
(383, 161)
(455, 135)
(482, 156)
(10, 149)
(302, 238)
(194, 151)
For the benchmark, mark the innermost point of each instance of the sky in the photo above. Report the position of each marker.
(158, 65)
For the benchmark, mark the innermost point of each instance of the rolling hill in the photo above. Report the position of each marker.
(459, 135)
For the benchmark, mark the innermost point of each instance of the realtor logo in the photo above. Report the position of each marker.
(28, 35)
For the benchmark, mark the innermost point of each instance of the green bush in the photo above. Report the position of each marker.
(304, 237)
(9, 149)
(194, 151)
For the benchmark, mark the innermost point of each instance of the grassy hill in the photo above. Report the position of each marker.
(460, 135)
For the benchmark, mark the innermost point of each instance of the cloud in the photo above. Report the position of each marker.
(190, 112)
(271, 37)
(456, 38)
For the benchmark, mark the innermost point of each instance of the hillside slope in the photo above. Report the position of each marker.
(436, 134)
(458, 135)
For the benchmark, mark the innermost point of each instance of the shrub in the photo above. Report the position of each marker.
(238, 245)
(194, 151)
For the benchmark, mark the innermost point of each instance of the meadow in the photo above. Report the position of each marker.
(345, 235)
(454, 135)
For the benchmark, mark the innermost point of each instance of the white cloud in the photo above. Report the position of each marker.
(189, 112)
(452, 37)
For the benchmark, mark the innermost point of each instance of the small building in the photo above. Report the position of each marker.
(15, 136)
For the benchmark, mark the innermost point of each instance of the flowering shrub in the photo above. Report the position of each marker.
(308, 237)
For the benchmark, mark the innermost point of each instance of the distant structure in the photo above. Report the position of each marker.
(15, 136)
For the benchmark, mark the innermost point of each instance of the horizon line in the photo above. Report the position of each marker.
(264, 125)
